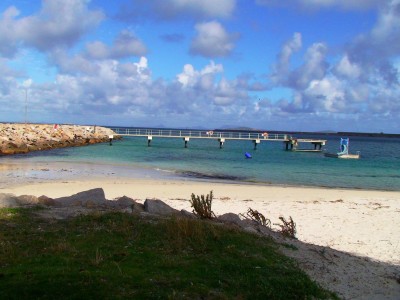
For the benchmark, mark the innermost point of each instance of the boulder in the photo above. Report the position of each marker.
(230, 218)
(27, 200)
(157, 207)
(8, 200)
(46, 200)
(91, 198)
(126, 202)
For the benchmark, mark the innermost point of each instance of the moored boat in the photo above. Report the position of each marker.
(344, 153)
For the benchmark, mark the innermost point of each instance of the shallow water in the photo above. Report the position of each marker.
(378, 167)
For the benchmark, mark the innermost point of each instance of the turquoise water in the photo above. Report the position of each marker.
(378, 167)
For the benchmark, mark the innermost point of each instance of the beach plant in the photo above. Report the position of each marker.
(288, 227)
(202, 205)
(257, 217)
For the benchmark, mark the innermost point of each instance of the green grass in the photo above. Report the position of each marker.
(121, 256)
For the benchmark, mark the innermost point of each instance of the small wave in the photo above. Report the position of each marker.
(211, 176)
(164, 170)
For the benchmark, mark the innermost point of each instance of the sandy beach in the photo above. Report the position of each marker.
(360, 222)
(355, 231)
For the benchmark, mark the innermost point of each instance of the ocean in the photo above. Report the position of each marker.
(378, 168)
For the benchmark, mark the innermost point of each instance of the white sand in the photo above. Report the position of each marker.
(363, 223)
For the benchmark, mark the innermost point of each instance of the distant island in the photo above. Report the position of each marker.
(325, 132)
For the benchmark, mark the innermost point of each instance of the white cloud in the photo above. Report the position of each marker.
(387, 29)
(364, 81)
(209, 8)
(281, 68)
(348, 69)
(326, 95)
(314, 67)
(375, 52)
(325, 4)
(59, 23)
(8, 41)
(27, 83)
(173, 9)
(190, 77)
(125, 45)
(98, 88)
(228, 93)
(212, 40)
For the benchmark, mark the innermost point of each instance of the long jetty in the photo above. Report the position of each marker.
(221, 136)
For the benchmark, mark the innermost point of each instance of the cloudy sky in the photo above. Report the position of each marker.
(270, 64)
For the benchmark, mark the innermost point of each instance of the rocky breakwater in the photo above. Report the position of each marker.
(23, 138)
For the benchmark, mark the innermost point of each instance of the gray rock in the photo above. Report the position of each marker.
(129, 203)
(250, 229)
(46, 200)
(230, 218)
(27, 200)
(8, 200)
(90, 199)
(11, 200)
(137, 207)
(125, 201)
(157, 207)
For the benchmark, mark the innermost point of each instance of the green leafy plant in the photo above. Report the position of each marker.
(257, 217)
(202, 205)
(288, 228)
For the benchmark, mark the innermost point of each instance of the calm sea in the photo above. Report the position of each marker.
(378, 167)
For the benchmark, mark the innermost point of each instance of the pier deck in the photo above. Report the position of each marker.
(220, 136)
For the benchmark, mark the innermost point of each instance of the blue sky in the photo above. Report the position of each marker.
(304, 65)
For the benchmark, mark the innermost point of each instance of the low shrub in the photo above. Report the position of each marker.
(288, 228)
(202, 205)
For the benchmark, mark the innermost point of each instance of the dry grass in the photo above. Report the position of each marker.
(202, 205)
(288, 228)
(257, 217)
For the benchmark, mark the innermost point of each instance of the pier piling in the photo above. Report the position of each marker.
(221, 142)
(186, 139)
(256, 142)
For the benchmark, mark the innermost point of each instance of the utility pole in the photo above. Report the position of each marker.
(26, 105)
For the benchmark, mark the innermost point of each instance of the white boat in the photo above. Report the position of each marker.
(344, 153)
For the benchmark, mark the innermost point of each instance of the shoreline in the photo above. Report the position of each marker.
(80, 170)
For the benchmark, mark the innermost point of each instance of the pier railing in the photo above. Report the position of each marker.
(209, 134)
